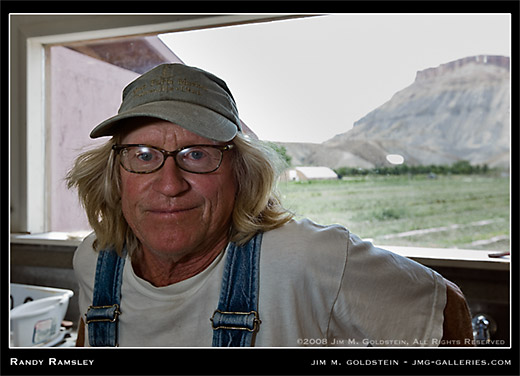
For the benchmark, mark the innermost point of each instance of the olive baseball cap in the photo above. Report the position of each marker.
(189, 97)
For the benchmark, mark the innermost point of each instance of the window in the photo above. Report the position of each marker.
(86, 72)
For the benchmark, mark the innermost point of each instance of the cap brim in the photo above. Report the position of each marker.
(194, 118)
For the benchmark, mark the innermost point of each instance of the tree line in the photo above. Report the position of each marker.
(457, 168)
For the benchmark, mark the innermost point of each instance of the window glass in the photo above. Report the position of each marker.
(349, 100)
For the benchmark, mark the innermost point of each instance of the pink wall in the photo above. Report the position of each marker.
(83, 92)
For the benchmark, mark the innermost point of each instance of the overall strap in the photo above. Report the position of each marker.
(236, 321)
(102, 315)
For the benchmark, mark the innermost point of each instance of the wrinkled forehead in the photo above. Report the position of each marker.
(158, 132)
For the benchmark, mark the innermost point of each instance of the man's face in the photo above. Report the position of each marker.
(172, 212)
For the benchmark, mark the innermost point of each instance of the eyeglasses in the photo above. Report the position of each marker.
(145, 159)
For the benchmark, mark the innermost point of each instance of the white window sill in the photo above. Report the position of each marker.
(72, 239)
(446, 257)
(453, 257)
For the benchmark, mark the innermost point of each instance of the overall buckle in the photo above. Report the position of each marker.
(108, 313)
(235, 320)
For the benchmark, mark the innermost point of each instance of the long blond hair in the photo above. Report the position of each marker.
(96, 176)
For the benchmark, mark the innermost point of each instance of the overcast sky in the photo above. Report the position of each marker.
(306, 80)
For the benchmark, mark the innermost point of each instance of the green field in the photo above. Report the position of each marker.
(457, 211)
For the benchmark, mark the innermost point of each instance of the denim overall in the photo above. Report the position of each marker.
(234, 322)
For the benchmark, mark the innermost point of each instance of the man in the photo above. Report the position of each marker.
(191, 246)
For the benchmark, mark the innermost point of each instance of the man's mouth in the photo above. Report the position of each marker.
(171, 211)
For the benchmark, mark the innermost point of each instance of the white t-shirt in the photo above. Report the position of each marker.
(319, 286)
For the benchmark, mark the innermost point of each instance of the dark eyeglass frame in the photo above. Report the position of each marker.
(119, 147)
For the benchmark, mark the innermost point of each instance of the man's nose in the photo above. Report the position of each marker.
(170, 179)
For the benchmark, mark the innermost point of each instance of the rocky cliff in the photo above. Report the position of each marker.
(457, 111)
